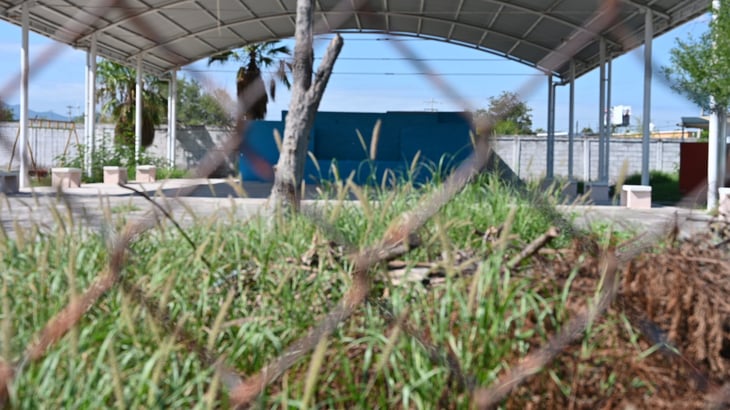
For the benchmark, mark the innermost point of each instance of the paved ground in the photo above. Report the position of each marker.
(97, 203)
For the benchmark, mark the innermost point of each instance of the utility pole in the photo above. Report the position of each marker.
(433, 103)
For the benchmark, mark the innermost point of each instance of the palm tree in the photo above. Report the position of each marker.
(117, 93)
(250, 88)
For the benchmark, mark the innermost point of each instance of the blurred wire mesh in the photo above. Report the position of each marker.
(596, 18)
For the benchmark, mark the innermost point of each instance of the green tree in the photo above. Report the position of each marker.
(250, 88)
(506, 115)
(198, 107)
(701, 67)
(6, 114)
(117, 88)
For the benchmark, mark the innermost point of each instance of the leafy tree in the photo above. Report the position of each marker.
(250, 88)
(198, 107)
(117, 94)
(506, 115)
(6, 114)
(587, 131)
(701, 69)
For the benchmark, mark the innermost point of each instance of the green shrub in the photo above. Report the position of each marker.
(664, 186)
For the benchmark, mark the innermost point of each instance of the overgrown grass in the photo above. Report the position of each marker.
(119, 356)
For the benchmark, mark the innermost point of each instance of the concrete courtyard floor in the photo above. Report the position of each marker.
(190, 198)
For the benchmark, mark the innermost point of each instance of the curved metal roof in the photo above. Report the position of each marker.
(169, 34)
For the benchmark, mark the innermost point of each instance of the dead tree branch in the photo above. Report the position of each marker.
(534, 246)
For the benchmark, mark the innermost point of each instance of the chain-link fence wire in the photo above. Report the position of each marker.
(398, 240)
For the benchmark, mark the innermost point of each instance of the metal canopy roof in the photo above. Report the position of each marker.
(169, 34)
(696, 122)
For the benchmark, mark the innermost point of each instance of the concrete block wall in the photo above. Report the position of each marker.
(46, 144)
(192, 144)
(527, 156)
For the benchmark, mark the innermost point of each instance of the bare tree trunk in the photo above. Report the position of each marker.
(305, 97)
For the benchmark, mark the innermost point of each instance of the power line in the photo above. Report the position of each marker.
(385, 73)
(418, 59)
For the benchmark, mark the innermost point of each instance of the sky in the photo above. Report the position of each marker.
(372, 76)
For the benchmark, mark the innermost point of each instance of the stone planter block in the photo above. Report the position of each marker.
(724, 194)
(723, 201)
(636, 196)
(66, 177)
(146, 173)
(115, 175)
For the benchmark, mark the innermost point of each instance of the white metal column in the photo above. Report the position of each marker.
(608, 126)
(90, 106)
(601, 109)
(646, 138)
(722, 146)
(172, 118)
(169, 116)
(721, 127)
(138, 112)
(586, 159)
(24, 70)
(712, 160)
(571, 119)
(550, 168)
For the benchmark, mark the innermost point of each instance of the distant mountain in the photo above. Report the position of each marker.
(46, 115)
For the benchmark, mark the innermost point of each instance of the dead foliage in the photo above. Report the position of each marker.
(663, 345)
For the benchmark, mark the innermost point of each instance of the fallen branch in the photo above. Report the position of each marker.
(533, 247)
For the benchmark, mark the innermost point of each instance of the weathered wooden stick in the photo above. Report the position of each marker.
(534, 246)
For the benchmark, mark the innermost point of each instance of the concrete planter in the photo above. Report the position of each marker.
(66, 177)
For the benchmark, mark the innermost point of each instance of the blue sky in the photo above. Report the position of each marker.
(370, 76)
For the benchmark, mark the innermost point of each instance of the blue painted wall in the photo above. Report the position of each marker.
(335, 144)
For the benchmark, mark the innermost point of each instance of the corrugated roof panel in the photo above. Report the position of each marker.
(266, 7)
(549, 30)
(406, 24)
(497, 42)
(374, 21)
(514, 22)
(435, 28)
(478, 13)
(526, 28)
(190, 18)
(437, 7)
(528, 52)
(281, 24)
(467, 34)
